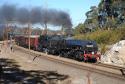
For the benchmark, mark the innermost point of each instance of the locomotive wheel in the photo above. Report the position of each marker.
(76, 56)
(53, 52)
(85, 60)
(94, 60)
(66, 55)
(79, 57)
(48, 52)
(61, 54)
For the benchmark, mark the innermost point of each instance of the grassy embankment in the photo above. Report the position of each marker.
(104, 37)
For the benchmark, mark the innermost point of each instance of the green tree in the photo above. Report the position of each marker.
(79, 29)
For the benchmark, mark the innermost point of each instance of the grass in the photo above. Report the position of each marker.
(104, 37)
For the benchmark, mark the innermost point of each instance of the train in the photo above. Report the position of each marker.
(81, 50)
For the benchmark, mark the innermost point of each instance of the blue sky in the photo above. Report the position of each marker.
(76, 8)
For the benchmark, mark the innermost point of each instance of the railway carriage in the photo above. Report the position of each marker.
(24, 41)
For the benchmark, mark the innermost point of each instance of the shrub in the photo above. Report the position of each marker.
(104, 36)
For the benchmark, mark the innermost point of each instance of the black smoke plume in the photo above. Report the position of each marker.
(8, 12)
(23, 15)
(35, 15)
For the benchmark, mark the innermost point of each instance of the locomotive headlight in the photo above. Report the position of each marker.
(92, 53)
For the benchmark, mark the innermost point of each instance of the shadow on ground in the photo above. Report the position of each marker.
(10, 73)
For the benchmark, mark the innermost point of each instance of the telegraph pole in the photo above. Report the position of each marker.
(29, 29)
(62, 30)
(29, 34)
(45, 30)
(6, 34)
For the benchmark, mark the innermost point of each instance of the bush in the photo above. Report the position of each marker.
(103, 48)
(103, 37)
(107, 37)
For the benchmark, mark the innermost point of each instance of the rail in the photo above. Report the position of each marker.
(109, 66)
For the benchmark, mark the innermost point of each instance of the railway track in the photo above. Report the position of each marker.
(97, 64)
(104, 69)
(121, 69)
(110, 66)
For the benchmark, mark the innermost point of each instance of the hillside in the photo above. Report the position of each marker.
(108, 15)
(105, 24)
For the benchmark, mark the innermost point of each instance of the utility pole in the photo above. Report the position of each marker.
(3, 37)
(45, 30)
(29, 28)
(6, 34)
(29, 34)
(3, 34)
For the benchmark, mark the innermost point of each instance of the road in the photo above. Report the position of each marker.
(77, 76)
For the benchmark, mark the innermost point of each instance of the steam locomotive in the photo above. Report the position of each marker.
(82, 50)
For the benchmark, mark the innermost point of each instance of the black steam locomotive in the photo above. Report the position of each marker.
(83, 50)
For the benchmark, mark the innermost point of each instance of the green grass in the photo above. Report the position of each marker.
(104, 37)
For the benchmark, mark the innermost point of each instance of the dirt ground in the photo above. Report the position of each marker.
(15, 69)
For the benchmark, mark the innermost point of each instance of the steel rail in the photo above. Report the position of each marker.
(109, 65)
